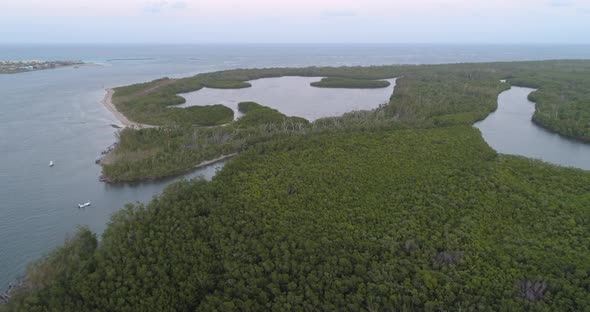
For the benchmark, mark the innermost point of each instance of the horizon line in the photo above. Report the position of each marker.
(293, 43)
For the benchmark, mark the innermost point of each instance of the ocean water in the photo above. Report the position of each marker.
(56, 115)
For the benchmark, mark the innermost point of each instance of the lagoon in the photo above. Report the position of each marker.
(294, 96)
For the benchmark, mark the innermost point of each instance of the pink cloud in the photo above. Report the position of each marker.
(229, 8)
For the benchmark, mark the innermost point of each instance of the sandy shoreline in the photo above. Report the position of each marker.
(107, 101)
(216, 160)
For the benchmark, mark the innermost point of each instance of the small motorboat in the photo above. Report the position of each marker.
(51, 163)
(84, 205)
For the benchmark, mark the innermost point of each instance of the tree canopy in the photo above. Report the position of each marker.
(403, 208)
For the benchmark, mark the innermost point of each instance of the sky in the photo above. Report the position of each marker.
(295, 21)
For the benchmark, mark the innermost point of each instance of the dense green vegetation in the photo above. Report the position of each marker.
(562, 99)
(209, 115)
(256, 115)
(153, 103)
(432, 96)
(245, 107)
(406, 220)
(441, 98)
(349, 83)
(141, 105)
(226, 84)
(160, 152)
(562, 106)
(402, 208)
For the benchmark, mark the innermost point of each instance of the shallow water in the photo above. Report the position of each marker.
(510, 130)
(294, 96)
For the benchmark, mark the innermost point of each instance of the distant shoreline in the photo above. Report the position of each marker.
(130, 59)
(17, 67)
(107, 102)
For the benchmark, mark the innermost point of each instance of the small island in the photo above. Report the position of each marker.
(350, 83)
(14, 67)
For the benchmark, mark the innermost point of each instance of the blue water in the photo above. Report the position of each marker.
(56, 115)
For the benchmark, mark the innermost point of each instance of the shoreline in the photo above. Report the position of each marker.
(214, 161)
(107, 155)
(56, 65)
(16, 285)
(175, 175)
(107, 102)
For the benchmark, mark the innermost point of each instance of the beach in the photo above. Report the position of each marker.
(107, 101)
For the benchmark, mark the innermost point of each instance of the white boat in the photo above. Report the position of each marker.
(51, 163)
(84, 205)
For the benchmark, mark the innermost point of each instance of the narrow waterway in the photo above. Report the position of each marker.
(510, 130)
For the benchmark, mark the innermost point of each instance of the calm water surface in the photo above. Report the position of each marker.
(510, 130)
(294, 96)
(56, 115)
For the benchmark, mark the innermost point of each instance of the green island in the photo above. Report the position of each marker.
(349, 83)
(425, 96)
(402, 208)
(226, 84)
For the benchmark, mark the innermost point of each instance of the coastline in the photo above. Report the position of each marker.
(107, 102)
(53, 65)
(6, 294)
(108, 155)
(214, 161)
(205, 163)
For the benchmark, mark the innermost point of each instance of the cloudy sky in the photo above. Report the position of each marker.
(284, 21)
